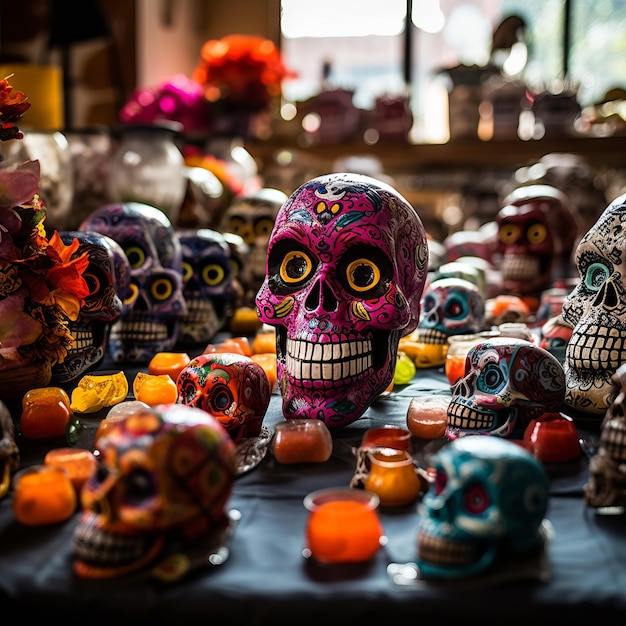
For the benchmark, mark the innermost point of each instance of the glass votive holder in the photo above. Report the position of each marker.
(343, 525)
(393, 477)
(43, 494)
(387, 437)
(302, 441)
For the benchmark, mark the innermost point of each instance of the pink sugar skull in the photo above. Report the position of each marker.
(346, 267)
(230, 387)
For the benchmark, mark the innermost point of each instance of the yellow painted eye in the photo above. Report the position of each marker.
(136, 256)
(161, 289)
(335, 208)
(320, 207)
(187, 271)
(133, 292)
(509, 233)
(237, 225)
(295, 267)
(362, 275)
(537, 233)
(213, 274)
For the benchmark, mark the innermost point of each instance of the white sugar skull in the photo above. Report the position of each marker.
(484, 507)
(346, 266)
(208, 285)
(150, 321)
(450, 306)
(252, 218)
(596, 309)
(107, 270)
(164, 477)
(607, 467)
(507, 383)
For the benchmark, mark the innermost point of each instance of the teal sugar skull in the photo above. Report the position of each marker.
(486, 505)
(347, 261)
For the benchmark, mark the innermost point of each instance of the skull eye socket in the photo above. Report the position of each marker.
(476, 498)
(296, 267)
(161, 289)
(221, 398)
(537, 233)
(213, 274)
(595, 276)
(509, 233)
(136, 256)
(263, 227)
(455, 308)
(187, 271)
(441, 481)
(491, 379)
(93, 282)
(362, 275)
(133, 292)
(240, 227)
(139, 486)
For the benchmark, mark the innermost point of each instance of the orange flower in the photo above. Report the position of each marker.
(12, 106)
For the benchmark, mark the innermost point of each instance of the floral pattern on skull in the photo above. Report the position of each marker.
(346, 267)
(164, 477)
(507, 383)
(596, 309)
(150, 320)
(485, 507)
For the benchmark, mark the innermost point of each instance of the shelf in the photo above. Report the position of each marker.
(460, 153)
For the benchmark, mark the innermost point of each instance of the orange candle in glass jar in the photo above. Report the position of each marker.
(387, 437)
(43, 494)
(343, 525)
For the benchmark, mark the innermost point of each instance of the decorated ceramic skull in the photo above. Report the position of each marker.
(347, 262)
(531, 240)
(231, 387)
(208, 286)
(252, 218)
(159, 493)
(607, 467)
(507, 383)
(484, 508)
(100, 309)
(150, 321)
(596, 309)
(9, 451)
(450, 306)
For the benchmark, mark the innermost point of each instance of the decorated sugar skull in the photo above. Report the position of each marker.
(607, 467)
(347, 262)
(208, 286)
(9, 452)
(485, 507)
(507, 383)
(164, 477)
(450, 306)
(531, 238)
(555, 335)
(596, 310)
(231, 387)
(108, 268)
(252, 217)
(150, 321)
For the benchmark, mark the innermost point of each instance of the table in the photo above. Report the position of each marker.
(267, 580)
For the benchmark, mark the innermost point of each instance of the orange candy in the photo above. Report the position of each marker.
(78, 463)
(170, 363)
(46, 412)
(234, 345)
(264, 341)
(153, 390)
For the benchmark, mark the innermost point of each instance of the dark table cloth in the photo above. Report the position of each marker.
(267, 580)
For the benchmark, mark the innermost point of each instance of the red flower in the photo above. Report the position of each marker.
(12, 106)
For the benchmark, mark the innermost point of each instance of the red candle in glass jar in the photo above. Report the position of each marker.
(302, 441)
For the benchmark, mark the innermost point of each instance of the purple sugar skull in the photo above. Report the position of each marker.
(209, 288)
(153, 310)
(346, 267)
(105, 276)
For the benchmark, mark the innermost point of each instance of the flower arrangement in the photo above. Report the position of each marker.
(42, 286)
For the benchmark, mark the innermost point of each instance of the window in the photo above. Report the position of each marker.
(364, 46)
